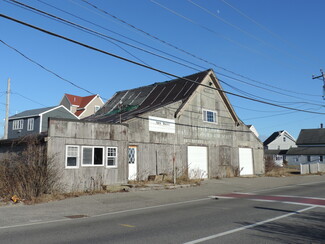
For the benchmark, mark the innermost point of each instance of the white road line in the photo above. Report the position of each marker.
(104, 214)
(246, 227)
(317, 198)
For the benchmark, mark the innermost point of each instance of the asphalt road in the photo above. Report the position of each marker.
(200, 220)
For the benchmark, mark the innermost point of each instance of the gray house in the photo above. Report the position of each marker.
(35, 121)
(183, 125)
(277, 145)
(310, 147)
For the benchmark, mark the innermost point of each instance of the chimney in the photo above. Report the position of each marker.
(321, 125)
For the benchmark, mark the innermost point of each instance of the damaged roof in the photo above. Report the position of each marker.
(127, 104)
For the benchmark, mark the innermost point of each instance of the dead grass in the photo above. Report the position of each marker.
(273, 170)
(28, 174)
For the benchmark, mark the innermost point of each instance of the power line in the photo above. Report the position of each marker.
(147, 67)
(216, 33)
(25, 6)
(243, 31)
(98, 34)
(188, 53)
(43, 67)
(128, 38)
(260, 25)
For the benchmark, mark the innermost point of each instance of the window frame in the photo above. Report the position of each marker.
(92, 156)
(205, 116)
(96, 108)
(77, 159)
(17, 124)
(30, 124)
(115, 157)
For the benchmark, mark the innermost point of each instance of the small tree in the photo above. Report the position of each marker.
(28, 173)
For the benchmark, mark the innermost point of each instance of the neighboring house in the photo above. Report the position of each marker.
(310, 147)
(277, 145)
(35, 121)
(82, 106)
(191, 125)
(279, 140)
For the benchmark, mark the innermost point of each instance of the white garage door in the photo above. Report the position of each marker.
(246, 161)
(197, 162)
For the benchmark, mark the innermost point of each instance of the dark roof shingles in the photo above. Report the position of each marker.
(147, 98)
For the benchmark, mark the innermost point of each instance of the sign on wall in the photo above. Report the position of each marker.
(161, 125)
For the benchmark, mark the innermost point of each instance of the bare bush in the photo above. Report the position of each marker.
(29, 173)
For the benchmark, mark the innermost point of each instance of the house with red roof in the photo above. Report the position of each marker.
(82, 107)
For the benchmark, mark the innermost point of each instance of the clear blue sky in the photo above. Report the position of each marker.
(277, 44)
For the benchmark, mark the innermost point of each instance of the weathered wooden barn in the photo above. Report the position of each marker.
(186, 125)
(187, 122)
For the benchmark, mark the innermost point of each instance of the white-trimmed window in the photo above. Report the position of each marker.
(111, 157)
(30, 124)
(96, 108)
(18, 124)
(210, 116)
(92, 156)
(72, 156)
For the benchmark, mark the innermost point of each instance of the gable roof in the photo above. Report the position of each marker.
(272, 137)
(32, 112)
(78, 101)
(311, 137)
(147, 98)
(38, 112)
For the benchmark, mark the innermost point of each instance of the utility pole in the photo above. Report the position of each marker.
(321, 76)
(7, 110)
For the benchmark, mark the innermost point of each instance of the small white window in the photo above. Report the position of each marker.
(284, 139)
(210, 116)
(72, 157)
(30, 124)
(92, 156)
(18, 124)
(96, 108)
(111, 157)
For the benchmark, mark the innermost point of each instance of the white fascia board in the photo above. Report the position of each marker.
(60, 106)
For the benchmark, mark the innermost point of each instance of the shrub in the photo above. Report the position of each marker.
(28, 174)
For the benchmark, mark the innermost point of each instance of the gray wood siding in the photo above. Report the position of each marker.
(62, 133)
(23, 132)
(222, 139)
(56, 113)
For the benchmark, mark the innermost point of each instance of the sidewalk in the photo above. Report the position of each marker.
(111, 202)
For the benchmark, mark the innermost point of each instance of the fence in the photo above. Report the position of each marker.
(312, 168)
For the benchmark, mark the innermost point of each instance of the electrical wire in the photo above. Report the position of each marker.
(245, 32)
(188, 53)
(264, 28)
(147, 67)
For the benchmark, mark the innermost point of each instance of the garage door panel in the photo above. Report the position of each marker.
(197, 162)
(246, 161)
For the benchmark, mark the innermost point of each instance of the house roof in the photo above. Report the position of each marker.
(306, 151)
(78, 101)
(311, 137)
(147, 98)
(272, 137)
(32, 112)
(275, 152)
